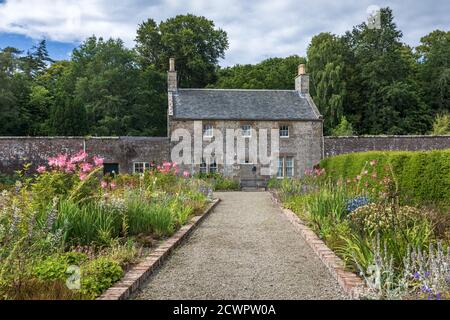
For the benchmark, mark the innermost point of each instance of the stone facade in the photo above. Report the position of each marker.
(304, 144)
(122, 151)
(341, 145)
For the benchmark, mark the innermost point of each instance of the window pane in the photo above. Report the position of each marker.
(280, 168)
(213, 167)
(140, 166)
(289, 167)
(208, 130)
(203, 167)
(246, 130)
(284, 131)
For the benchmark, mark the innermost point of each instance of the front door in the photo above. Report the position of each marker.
(250, 176)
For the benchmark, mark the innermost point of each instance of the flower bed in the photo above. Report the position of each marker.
(69, 233)
(400, 248)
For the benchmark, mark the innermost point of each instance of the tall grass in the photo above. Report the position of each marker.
(148, 217)
(87, 224)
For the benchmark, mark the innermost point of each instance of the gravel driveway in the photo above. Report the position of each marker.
(246, 249)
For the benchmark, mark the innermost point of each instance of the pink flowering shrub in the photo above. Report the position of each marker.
(72, 176)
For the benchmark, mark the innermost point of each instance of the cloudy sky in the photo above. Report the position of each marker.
(256, 29)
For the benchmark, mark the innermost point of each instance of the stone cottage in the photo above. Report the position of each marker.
(290, 114)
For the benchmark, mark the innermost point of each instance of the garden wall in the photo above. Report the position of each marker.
(17, 151)
(342, 145)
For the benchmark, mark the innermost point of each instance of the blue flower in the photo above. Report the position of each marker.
(416, 275)
(357, 202)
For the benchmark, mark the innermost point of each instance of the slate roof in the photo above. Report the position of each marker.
(237, 104)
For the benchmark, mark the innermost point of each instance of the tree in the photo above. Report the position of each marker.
(68, 118)
(273, 73)
(380, 80)
(326, 66)
(117, 94)
(193, 41)
(37, 60)
(14, 90)
(344, 128)
(434, 70)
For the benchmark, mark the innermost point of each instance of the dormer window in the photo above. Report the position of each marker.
(208, 131)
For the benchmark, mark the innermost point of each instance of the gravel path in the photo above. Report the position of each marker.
(246, 249)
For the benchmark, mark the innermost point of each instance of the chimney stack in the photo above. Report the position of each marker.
(302, 80)
(172, 81)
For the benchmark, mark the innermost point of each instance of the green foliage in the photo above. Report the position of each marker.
(422, 177)
(220, 182)
(368, 75)
(48, 219)
(87, 224)
(192, 40)
(98, 275)
(55, 267)
(326, 66)
(375, 239)
(441, 124)
(147, 217)
(434, 71)
(273, 73)
(344, 128)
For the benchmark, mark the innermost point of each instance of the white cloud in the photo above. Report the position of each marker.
(256, 30)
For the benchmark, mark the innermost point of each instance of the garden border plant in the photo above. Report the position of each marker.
(141, 272)
(351, 283)
(68, 222)
(375, 225)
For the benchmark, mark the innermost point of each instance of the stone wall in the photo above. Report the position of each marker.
(305, 144)
(16, 151)
(341, 145)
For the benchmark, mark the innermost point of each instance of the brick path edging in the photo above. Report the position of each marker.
(352, 285)
(137, 275)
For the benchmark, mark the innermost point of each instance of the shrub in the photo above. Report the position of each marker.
(98, 275)
(377, 217)
(220, 182)
(422, 177)
(55, 267)
(441, 124)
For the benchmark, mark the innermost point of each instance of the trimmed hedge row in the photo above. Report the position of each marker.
(423, 177)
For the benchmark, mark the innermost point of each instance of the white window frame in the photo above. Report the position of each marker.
(284, 128)
(284, 167)
(208, 131)
(246, 131)
(145, 166)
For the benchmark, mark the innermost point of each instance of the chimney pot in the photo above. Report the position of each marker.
(302, 80)
(172, 81)
(301, 69)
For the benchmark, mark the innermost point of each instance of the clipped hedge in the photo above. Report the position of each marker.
(423, 177)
